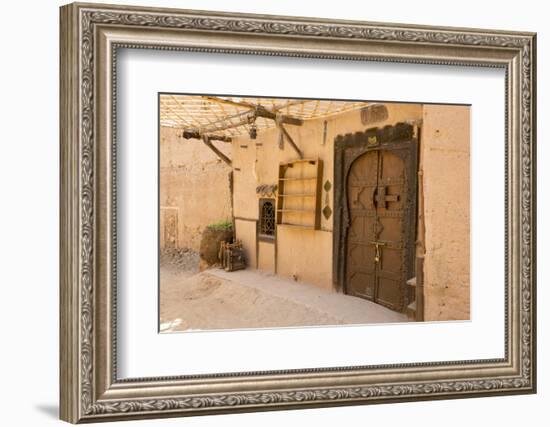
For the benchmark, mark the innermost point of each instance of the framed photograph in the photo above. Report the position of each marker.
(266, 212)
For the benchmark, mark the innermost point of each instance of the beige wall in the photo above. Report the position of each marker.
(445, 166)
(194, 187)
(306, 254)
(245, 231)
(266, 256)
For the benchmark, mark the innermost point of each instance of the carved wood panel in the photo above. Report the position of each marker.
(376, 192)
(375, 223)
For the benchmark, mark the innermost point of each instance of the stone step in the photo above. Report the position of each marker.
(411, 310)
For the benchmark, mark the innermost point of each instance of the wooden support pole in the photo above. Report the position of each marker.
(290, 140)
(420, 249)
(206, 140)
(420, 288)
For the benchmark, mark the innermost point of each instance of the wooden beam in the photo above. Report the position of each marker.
(259, 110)
(187, 134)
(193, 134)
(289, 138)
(212, 128)
(208, 143)
(230, 102)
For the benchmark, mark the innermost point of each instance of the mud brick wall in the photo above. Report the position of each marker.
(445, 165)
(301, 253)
(194, 189)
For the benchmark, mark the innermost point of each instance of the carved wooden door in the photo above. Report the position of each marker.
(379, 232)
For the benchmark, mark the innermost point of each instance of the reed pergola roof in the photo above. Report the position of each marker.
(230, 116)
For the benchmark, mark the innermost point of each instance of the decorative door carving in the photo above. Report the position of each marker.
(377, 220)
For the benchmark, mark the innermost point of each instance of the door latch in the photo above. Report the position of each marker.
(377, 245)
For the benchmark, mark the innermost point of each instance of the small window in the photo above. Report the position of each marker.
(267, 218)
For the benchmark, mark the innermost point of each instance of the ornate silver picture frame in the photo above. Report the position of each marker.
(91, 36)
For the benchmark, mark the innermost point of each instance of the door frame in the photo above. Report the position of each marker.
(401, 139)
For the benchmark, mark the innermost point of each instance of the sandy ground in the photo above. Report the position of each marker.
(216, 299)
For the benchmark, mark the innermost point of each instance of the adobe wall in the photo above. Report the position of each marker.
(194, 189)
(300, 253)
(445, 168)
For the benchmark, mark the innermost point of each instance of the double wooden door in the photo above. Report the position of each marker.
(381, 193)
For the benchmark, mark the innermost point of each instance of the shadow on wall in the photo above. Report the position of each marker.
(51, 410)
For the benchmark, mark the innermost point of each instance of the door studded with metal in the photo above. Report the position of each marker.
(378, 225)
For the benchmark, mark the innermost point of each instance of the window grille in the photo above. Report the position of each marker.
(267, 218)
